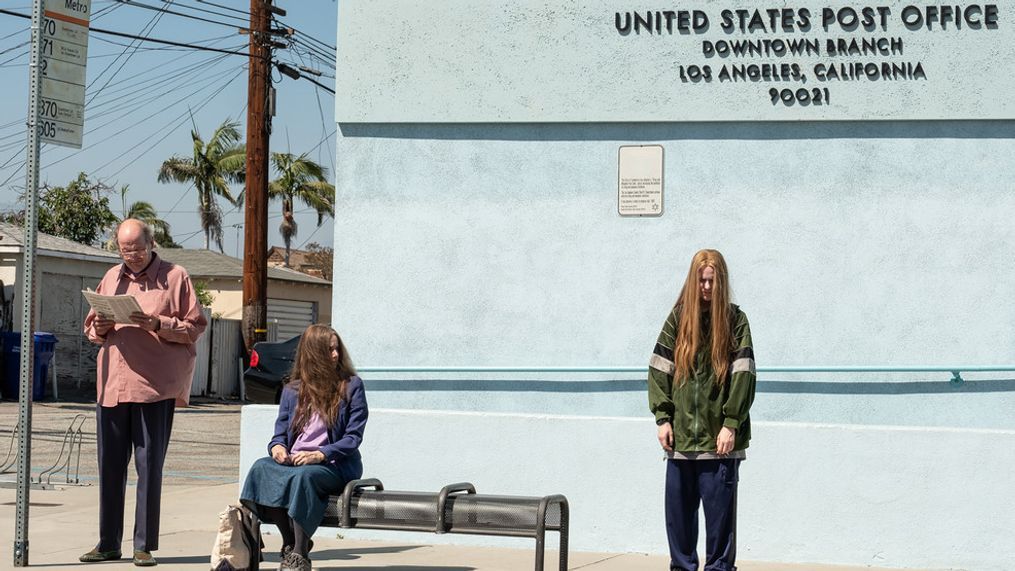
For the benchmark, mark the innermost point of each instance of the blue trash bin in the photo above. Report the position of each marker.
(45, 346)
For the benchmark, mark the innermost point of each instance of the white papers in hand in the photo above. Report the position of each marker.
(115, 307)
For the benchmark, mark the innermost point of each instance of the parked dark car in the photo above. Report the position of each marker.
(270, 363)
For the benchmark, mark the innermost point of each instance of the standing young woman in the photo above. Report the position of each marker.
(315, 449)
(700, 389)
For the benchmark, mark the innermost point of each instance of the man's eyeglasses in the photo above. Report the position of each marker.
(133, 253)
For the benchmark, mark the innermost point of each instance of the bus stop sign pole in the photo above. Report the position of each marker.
(28, 275)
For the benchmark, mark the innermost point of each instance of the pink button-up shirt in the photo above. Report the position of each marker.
(135, 365)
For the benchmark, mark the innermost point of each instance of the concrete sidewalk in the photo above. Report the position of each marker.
(63, 526)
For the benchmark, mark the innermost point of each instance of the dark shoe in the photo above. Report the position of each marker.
(95, 556)
(144, 559)
(295, 562)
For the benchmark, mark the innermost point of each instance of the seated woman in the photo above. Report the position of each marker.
(315, 449)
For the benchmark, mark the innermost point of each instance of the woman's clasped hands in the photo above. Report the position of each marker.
(280, 455)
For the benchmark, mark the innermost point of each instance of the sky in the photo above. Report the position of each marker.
(143, 99)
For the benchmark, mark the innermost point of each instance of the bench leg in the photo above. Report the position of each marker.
(564, 516)
(540, 544)
(561, 501)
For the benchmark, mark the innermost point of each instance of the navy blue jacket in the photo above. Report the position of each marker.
(344, 436)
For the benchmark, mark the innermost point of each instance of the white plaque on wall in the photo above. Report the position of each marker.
(640, 180)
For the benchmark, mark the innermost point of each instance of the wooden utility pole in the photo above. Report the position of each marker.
(255, 241)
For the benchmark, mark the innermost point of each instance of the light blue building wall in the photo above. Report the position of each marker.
(848, 244)
(477, 225)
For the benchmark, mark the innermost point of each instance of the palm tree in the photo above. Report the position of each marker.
(212, 168)
(303, 179)
(145, 212)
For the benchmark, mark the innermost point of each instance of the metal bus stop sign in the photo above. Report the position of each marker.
(64, 56)
(56, 101)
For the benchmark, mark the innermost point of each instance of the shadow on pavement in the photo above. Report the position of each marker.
(356, 553)
(396, 568)
(179, 560)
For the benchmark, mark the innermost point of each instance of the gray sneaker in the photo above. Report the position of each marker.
(295, 562)
(287, 548)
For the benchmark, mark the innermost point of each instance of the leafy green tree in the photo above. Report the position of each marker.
(204, 297)
(300, 179)
(145, 212)
(213, 166)
(16, 217)
(78, 211)
(322, 257)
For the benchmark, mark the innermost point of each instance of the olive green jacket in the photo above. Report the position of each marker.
(698, 407)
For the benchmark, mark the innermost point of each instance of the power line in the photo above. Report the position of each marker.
(163, 74)
(129, 127)
(164, 137)
(146, 30)
(105, 11)
(233, 211)
(163, 10)
(205, 10)
(14, 33)
(16, 170)
(21, 45)
(244, 12)
(296, 75)
(204, 85)
(18, 56)
(182, 72)
(320, 110)
(307, 239)
(194, 47)
(189, 236)
(328, 59)
(169, 43)
(312, 49)
(144, 39)
(319, 84)
(329, 136)
(122, 113)
(330, 47)
(185, 97)
(161, 110)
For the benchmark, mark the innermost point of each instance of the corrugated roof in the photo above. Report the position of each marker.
(14, 235)
(209, 264)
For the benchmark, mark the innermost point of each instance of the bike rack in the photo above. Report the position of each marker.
(72, 439)
(10, 459)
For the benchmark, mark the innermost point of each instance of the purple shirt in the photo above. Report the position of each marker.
(313, 437)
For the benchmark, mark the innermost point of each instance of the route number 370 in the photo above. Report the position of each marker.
(48, 109)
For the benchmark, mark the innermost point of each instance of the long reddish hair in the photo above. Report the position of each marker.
(689, 334)
(320, 383)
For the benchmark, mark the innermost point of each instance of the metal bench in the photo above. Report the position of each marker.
(457, 508)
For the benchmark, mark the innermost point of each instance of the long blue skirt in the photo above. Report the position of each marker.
(301, 490)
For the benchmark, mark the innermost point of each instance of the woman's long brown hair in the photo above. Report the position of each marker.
(320, 384)
(689, 324)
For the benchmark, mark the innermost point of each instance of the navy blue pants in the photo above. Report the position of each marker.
(141, 428)
(713, 485)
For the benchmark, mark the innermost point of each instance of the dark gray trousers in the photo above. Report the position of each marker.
(142, 429)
